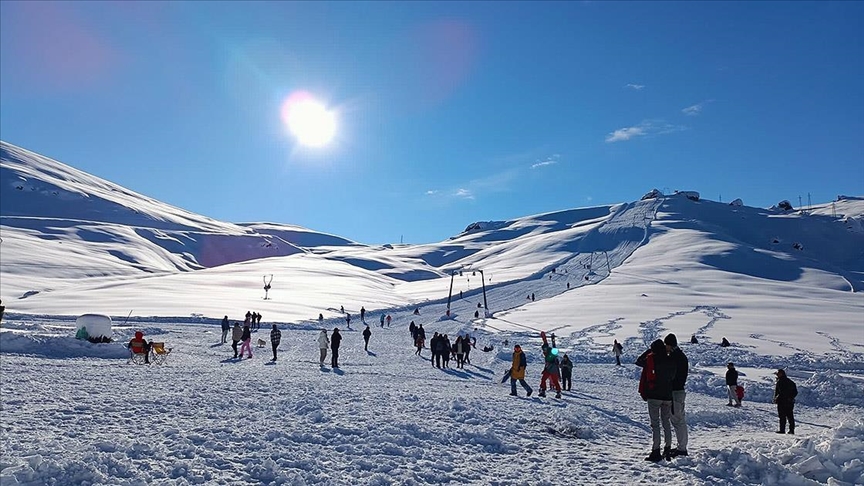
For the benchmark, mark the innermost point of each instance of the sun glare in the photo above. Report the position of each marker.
(311, 123)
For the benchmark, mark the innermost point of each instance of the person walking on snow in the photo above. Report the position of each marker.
(517, 371)
(236, 337)
(335, 341)
(679, 420)
(275, 338)
(247, 340)
(366, 335)
(784, 396)
(617, 350)
(323, 344)
(732, 385)
(655, 387)
(225, 328)
(566, 373)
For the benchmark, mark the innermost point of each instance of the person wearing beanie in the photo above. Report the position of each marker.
(679, 420)
(655, 387)
(784, 396)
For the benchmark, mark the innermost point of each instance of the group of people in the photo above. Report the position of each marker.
(443, 350)
(334, 341)
(557, 372)
(253, 319)
(662, 385)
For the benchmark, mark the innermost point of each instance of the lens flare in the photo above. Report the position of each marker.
(311, 123)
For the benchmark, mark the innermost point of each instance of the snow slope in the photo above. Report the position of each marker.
(784, 287)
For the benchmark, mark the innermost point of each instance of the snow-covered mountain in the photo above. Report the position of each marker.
(784, 286)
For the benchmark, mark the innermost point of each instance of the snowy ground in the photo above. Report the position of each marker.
(76, 413)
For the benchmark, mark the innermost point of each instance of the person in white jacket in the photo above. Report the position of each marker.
(323, 344)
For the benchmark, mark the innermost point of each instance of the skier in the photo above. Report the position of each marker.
(732, 384)
(323, 343)
(335, 341)
(618, 350)
(275, 338)
(784, 396)
(366, 335)
(551, 369)
(566, 373)
(517, 371)
(247, 340)
(655, 387)
(236, 337)
(225, 328)
(679, 420)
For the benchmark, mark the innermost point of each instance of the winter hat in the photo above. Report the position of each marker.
(671, 340)
(658, 347)
(139, 334)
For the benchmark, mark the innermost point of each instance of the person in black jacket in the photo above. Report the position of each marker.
(655, 387)
(366, 335)
(679, 420)
(732, 384)
(566, 373)
(784, 396)
(225, 328)
(335, 341)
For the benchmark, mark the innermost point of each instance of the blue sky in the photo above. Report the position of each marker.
(448, 113)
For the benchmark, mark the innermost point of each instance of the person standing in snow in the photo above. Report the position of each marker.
(247, 340)
(225, 328)
(784, 396)
(655, 387)
(323, 343)
(446, 346)
(617, 350)
(682, 368)
(412, 328)
(460, 347)
(433, 347)
(248, 318)
(388, 320)
(258, 320)
(517, 371)
(236, 337)
(275, 339)
(732, 385)
(321, 319)
(382, 321)
(566, 373)
(366, 335)
(363, 314)
(348, 320)
(551, 370)
(335, 342)
(466, 343)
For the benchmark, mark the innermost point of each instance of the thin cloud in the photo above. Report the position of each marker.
(695, 109)
(637, 87)
(463, 193)
(431, 192)
(551, 160)
(644, 129)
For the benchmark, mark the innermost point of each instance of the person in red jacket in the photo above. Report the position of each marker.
(139, 345)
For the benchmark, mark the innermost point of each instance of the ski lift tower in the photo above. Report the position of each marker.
(485, 305)
(450, 294)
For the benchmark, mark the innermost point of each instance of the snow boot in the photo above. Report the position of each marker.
(678, 452)
(667, 453)
(529, 392)
(558, 395)
(654, 456)
(541, 393)
(514, 394)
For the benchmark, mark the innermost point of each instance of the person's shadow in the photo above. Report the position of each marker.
(370, 353)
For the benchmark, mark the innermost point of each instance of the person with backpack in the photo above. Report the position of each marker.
(682, 368)
(275, 339)
(617, 350)
(367, 333)
(517, 371)
(784, 396)
(732, 385)
(655, 387)
(323, 344)
(551, 368)
(236, 337)
(335, 342)
(225, 328)
(566, 373)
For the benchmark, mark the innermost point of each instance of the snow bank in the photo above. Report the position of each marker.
(52, 346)
(833, 458)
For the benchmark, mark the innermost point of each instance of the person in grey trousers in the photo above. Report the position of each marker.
(679, 419)
(323, 344)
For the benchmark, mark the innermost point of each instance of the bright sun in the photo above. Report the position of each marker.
(308, 120)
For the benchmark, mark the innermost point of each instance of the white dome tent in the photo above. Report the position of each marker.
(98, 326)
